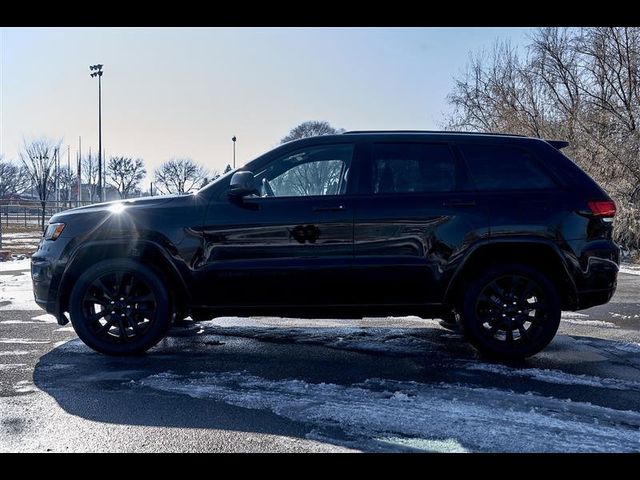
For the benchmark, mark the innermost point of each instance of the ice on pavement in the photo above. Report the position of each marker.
(427, 416)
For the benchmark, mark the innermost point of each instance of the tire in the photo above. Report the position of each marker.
(510, 311)
(120, 307)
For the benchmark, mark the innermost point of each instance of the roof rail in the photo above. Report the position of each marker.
(434, 131)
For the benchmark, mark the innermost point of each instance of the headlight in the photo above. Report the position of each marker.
(53, 231)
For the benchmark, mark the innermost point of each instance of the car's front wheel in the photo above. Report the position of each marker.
(510, 311)
(120, 307)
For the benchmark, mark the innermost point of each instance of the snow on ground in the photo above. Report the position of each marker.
(450, 417)
(16, 291)
(24, 264)
(556, 376)
(630, 268)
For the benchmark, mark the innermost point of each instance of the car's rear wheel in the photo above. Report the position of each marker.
(120, 307)
(510, 311)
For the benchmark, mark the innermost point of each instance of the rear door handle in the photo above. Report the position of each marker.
(459, 203)
(329, 208)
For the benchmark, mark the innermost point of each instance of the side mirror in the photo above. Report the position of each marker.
(243, 184)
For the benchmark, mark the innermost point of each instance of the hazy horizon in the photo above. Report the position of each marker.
(184, 92)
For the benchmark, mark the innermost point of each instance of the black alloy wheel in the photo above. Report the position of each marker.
(511, 311)
(120, 307)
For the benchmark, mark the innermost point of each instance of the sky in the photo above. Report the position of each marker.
(184, 92)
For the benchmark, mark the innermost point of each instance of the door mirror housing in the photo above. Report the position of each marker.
(243, 184)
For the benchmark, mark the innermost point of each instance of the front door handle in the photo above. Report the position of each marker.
(459, 203)
(329, 208)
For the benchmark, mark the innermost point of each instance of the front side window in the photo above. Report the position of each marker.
(412, 167)
(321, 170)
(504, 167)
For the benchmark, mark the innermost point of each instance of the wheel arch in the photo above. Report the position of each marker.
(539, 253)
(144, 251)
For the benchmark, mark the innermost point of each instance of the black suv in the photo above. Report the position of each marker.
(496, 233)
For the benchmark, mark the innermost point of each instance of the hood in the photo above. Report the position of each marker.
(109, 207)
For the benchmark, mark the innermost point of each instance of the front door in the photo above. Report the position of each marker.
(290, 245)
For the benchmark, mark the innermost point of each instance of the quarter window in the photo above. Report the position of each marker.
(495, 167)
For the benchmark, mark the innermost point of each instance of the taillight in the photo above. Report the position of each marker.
(603, 208)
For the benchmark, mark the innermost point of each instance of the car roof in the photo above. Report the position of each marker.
(434, 135)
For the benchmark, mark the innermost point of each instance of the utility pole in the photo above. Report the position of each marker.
(233, 139)
(69, 173)
(98, 73)
(79, 170)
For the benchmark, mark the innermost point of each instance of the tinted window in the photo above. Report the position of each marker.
(495, 167)
(312, 171)
(412, 167)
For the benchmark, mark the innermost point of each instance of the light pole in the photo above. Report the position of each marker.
(233, 139)
(97, 72)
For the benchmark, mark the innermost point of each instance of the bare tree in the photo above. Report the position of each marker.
(90, 174)
(125, 174)
(67, 183)
(39, 159)
(578, 84)
(14, 179)
(311, 128)
(179, 175)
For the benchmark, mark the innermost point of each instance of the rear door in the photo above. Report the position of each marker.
(415, 212)
(524, 197)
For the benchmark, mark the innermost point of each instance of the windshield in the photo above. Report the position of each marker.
(219, 179)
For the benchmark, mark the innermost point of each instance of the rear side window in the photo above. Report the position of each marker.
(412, 167)
(495, 167)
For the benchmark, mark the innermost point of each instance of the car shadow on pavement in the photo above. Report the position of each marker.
(116, 389)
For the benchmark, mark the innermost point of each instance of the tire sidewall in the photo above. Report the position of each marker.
(151, 337)
(472, 327)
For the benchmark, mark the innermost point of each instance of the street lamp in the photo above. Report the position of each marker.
(97, 72)
(233, 139)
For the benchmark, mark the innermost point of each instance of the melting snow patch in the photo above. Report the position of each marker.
(24, 264)
(17, 352)
(16, 292)
(590, 323)
(424, 415)
(629, 347)
(391, 341)
(11, 366)
(24, 386)
(630, 269)
(556, 376)
(46, 318)
(22, 340)
(566, 315)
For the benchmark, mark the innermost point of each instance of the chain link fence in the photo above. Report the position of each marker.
(21, 220)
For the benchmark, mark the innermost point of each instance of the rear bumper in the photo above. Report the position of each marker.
(597, 281)
(592, 298)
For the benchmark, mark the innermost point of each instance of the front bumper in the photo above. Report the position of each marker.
(47, 265)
